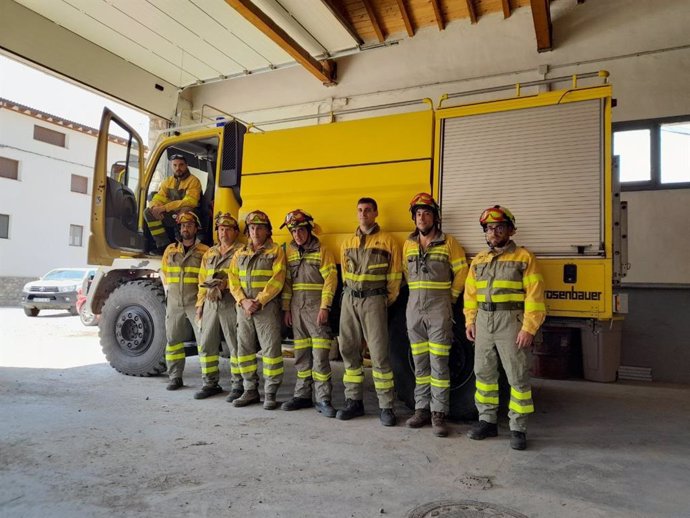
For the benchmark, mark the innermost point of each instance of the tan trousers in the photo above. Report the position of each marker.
(496, 335)
(180, 327)
(360, 320)
(312, 347)
(219, 316)
(431, 335)
(261, 331)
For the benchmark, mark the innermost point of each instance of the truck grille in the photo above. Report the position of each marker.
(43, 289)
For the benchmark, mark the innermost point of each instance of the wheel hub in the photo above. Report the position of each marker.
(134, 330)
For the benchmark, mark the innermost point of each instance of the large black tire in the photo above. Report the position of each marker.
(462, 386)
(132, 328)
(31, 312)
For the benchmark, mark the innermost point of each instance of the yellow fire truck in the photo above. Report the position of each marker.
(546, 155)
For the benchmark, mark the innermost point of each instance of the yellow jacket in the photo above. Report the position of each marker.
(174, 194)
(215, 265)
(180, 272)
(511, 275)
(311, 272)
(257, 274)
(372, 261)
(441, 268)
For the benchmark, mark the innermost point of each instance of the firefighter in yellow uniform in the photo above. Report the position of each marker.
(180, 275)
(370, 261)
(177, 194)
(216, 310)
(435, 268)
(309, 289)
(257, 275)
(504, 308)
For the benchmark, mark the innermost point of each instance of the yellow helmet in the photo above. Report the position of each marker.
(226, 219)
(188, 217)
(497, 214)
(298, 218)
(257, 217)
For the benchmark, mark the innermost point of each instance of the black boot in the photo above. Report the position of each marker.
(518, 440)
(297, 403)
(353, 408)
(174, 384)
(325, 408)
(482, 430)
(234, 394)
(208, 391)
(388, 417)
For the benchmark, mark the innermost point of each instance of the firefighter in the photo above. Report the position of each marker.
(435, 268)
(307, 297)
(177, 194)
(504, 308)
(372, 275)
(180, 276)
(216, 309)
(257, 275)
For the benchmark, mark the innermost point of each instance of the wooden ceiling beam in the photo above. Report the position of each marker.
(471, 9)
(541, 14)
(506, 8)
(374, 22)
(343, 20)
(406, 18)
(322, 70)
(438, 15)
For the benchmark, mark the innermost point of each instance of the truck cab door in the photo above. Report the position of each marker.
(116, 205)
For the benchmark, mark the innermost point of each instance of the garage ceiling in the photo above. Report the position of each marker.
(187, 42)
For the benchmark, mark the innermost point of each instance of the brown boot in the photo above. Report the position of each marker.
(420, 418)
(438, 424)
(270, 402)
(250, 397)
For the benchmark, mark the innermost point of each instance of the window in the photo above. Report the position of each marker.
(75, 235)
(79, 184)
(50, 136)
(654, 154)
(9, 168)
(4, 226)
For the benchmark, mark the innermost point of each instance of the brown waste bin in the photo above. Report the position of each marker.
(601, 350)
(552, 352)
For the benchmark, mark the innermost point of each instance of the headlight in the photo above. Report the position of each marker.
(26, 287)
(71, 287)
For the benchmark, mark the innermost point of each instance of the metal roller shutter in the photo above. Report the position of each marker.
(544, 164)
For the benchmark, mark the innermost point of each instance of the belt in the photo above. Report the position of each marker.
(366, 293)
(500, 306)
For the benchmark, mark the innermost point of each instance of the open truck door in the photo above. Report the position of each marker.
(117, 204)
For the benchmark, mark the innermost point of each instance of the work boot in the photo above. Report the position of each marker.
(296, 403)
(482, 430)
(208, 391)
(270, 402)
(421, 417)
(325, 408)
(438, 424)
(249, 397)
(234, 394)
(388, 417)
(518, 440)
(174, 384)
(353, 408)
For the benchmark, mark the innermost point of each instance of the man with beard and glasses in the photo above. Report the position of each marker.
(435, 268)
(504, 308)
(180, 275)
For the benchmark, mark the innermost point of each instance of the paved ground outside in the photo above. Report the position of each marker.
(79, 439)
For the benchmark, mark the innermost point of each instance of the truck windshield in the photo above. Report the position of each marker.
(64, 275)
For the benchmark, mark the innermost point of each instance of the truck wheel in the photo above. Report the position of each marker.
(31, 312)
(461, 362)
(87, 318)
(132, 329)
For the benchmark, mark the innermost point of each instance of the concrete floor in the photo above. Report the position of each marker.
(79, 439)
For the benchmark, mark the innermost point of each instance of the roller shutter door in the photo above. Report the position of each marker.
(544, 164)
